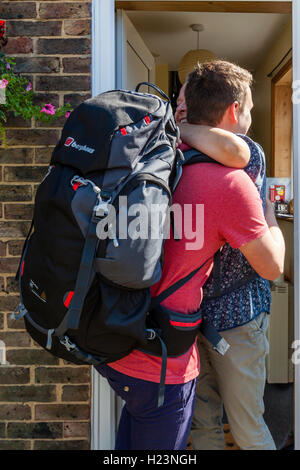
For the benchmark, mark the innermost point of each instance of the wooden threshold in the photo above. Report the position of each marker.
(225, 7)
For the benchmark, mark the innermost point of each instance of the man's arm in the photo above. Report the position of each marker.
(242, 223)
(266, 254)
(219, 144)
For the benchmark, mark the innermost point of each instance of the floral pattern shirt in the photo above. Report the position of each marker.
(237, 306)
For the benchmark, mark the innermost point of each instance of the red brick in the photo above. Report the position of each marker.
(75, 393)
(33, 28)
(75, 99)
(2, 249)
(13, 444)
(63, 46)
(18, 10)
(15, 247)
(21, 45)
(27, 393)
(50, 375)
(76, 429)
(37, 64)
(18, 211)
(14, 230)
(65, 10)
(30, 357)
(59, 122)
(24, 173)
(78, 65)
(43, 155)
(53, 412)
(8, 303)
(77, 27)
(14, 375)
(15, 339)
(32, 137)
(15, 193)
(8, 265)
(15, 412)
(16, 155)
(34, 430)
(17, 121)
(61, 445)
(13, 324)
(63, 83)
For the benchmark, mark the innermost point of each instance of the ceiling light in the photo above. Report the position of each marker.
(191, 58)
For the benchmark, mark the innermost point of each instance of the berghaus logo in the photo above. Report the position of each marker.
(70, 142)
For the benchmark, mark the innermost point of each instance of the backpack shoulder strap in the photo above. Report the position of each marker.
(194, 156)
(174, 287)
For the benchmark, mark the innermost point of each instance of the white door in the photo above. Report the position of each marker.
(135, 62)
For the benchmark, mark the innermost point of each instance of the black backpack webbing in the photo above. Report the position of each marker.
(72, 317)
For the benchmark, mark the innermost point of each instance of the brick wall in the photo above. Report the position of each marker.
(44, 401)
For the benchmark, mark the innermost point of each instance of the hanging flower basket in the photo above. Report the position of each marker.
(17, 96)
(3, 40)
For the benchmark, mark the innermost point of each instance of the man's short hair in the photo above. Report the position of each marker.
(212, 87)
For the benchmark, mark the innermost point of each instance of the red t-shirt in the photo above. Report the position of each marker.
(232, 213)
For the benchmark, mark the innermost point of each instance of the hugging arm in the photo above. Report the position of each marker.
(244, 225)
(219, 144)
(266, 254)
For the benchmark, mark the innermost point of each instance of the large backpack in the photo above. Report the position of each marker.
(85, 289)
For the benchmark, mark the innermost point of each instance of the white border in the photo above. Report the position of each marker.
(296, 169)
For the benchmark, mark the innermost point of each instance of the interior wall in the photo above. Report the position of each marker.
(162, 77)
(261, 128)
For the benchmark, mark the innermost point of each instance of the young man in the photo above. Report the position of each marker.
(236, 217)
(239, 309)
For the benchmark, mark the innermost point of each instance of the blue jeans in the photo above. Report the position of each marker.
(144, 426)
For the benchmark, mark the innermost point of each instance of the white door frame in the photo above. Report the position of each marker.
(103, 78)
(103, 414)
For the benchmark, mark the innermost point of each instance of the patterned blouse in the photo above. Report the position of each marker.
(238, 306)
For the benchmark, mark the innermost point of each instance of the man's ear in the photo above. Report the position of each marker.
(233, 112)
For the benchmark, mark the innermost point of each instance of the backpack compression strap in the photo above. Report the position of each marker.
(72, 318)
(209, 331)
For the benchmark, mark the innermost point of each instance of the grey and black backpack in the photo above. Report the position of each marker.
(84, 281)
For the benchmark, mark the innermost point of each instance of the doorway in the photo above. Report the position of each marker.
(132, 8)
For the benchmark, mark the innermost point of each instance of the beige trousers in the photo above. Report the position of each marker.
(236, 380)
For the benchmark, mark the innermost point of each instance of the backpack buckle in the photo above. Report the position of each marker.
(67, 343)
(150, 334)
(102, 205)
(19, 312)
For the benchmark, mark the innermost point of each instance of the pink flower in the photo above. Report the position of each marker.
(8, 66)
(3, 83)
(48, 109)
(67, 114)
(29, 86)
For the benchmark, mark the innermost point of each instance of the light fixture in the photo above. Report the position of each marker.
(191, 58)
